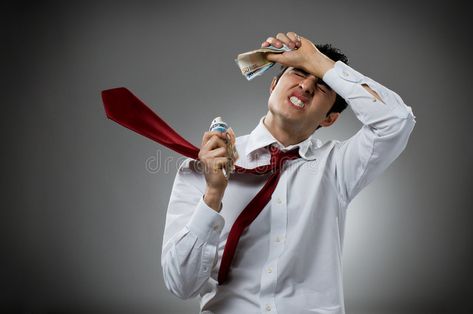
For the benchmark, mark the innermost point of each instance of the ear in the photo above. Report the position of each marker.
(330, 119)
(273, 84)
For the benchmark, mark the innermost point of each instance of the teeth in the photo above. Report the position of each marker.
(296, 101)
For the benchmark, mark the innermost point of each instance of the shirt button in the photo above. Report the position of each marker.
(345, 73)
(278, 239)
(279, 201)
(216, 227)
(270, 270)
(268, 308)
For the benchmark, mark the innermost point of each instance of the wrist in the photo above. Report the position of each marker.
(319, 65)
(213, 199)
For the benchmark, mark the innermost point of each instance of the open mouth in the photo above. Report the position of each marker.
(296, 102)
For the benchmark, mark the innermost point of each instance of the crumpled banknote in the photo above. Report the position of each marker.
(221, 126)
(254, 63)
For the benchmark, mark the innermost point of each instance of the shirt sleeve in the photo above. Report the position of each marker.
(191, 235)
(387, 125)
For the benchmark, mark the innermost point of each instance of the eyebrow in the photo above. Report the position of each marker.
(319, 81)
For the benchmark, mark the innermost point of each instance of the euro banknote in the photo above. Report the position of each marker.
(221, 126)
(254, 63)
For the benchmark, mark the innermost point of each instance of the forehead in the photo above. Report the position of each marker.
(296, 69)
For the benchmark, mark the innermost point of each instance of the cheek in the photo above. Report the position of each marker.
(327, 101)
(331, 99)
(273, 102)
(275, 97)
(319, 108)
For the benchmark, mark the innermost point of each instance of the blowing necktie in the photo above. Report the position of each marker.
(126, 109)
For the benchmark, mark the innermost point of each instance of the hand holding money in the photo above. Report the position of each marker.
(255, 63)
(219, 125)
(214, 157)
(306, 56)
(287, 49)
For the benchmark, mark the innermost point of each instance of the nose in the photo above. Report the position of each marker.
(308, 84)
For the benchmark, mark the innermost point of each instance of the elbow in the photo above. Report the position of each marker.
(181, 286)
(179, 292)
(177, 286)
(396, 127)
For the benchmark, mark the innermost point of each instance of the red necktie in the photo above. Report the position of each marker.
(254, 207)
(126, 109)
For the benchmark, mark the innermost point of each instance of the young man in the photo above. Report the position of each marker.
(289, 259)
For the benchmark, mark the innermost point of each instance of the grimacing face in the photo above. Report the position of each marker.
(301, 101)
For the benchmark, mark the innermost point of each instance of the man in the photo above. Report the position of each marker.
(288, 260)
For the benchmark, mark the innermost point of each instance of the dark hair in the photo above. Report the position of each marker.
(336, 55)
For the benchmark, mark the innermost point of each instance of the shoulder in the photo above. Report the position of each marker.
(326, 151)
(190, 174)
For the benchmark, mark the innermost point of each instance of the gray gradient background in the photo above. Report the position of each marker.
(82, 217)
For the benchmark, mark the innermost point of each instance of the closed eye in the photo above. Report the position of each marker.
(320, 84)
(299, 73)
(322, 87)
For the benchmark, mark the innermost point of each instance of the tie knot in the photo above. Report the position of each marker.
(278, 157)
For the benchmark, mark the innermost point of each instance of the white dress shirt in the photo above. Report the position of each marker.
(289, 260)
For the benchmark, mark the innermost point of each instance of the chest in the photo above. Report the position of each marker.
(304, 195)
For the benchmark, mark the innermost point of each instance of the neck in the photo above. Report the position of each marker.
(286, 133)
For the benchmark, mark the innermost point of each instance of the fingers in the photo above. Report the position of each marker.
(214, 145)
(214, 166)
(214, 142)
(217, 164)
(286, 40)
(231, 134)
(296, 39)
(210, 134)
(290, 39)
(274, 42)
(217, 152)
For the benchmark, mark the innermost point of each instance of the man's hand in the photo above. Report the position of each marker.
(213, 157)
(305, 56)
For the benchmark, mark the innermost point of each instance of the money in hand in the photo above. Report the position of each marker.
(221, 126)
(254, 63)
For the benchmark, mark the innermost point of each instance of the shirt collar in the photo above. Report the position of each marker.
(261, 137)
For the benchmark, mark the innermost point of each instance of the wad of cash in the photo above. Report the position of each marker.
(221, 126)
(254, 63)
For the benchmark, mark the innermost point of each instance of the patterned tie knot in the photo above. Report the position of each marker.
(278, 157)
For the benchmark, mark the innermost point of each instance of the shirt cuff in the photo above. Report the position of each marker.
(343, 79)
(206, 223)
